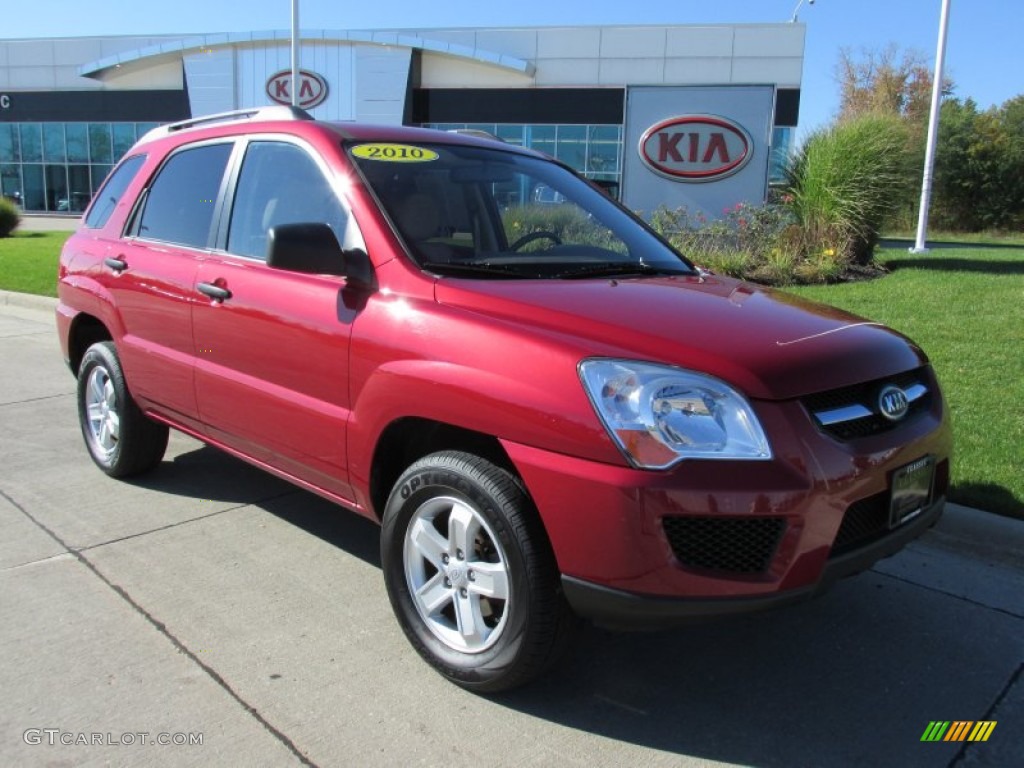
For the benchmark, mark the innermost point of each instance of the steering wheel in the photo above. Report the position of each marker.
(529, 238)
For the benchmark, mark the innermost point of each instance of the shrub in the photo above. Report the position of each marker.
(9, 217)
(844, 181)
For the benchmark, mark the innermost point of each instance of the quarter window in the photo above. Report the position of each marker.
(280, 184)
(180, 203)
(110, 195)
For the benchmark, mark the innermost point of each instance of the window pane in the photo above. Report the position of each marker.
(141, 129)
(31, 143)
(10, 182)
(572, 146)
(179, 207)
(54, 150)
(279, 184)
(541, 138)
(78, 186)
(9, 149)
(35, 193)
(78, 142)
(782, 146)
(99, 143)
(513, 134)
(57, 188)
(124, 137)
(603, 149)
(107, 200)
(99, 173)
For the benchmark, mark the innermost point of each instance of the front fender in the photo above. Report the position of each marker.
(518, 409)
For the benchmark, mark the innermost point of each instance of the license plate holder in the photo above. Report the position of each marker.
(911, 490)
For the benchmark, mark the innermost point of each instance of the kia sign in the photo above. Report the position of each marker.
(696, 147)
(312, 88)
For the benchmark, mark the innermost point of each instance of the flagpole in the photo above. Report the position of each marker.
(933, 133)
(296, 83)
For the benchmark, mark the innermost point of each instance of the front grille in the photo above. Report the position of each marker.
(736, 544)
(860, 402)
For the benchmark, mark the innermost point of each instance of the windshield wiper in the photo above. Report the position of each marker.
(616, 268)
(479, 269)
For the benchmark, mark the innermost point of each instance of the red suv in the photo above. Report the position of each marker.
(551, 413)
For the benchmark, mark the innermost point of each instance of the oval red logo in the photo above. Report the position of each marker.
(696, 147)
(312, 88)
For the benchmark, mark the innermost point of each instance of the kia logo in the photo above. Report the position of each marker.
(696, 147)
(312, 88)
(893, 403)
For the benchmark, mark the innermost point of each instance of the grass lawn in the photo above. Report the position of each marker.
(28, 262)
(965, 307)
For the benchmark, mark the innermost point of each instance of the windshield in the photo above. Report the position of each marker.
(478, 212)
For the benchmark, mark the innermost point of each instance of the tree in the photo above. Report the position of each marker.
(885, 82)
(979, 166)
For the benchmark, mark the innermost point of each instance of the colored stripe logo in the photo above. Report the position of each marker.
(959, 730)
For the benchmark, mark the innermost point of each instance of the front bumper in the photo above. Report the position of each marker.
(638, 548)
(619, 609)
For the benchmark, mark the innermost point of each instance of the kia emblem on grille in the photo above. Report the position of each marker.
(893, 403)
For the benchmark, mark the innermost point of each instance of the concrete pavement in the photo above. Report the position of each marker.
(209, 600)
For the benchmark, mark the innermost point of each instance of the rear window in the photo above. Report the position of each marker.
(111, 192)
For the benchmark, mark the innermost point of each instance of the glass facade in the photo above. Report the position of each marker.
(782, 148)
(595, 151)
(57, 167)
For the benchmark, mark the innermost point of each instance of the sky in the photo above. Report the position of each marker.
(984, 56)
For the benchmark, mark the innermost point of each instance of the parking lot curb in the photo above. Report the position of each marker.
(985, 534)
(27, 300)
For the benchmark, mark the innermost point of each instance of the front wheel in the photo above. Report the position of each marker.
(470, 573)
(121, 440)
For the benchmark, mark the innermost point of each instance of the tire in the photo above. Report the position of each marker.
(471, 575)
(121, 440)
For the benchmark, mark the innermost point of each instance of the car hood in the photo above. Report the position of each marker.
(769, 344)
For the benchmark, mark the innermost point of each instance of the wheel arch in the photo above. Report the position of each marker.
(85, 331)
(408, 439)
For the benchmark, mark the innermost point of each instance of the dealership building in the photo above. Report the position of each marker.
(695, 116)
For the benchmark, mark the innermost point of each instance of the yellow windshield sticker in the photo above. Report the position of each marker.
(394, 153)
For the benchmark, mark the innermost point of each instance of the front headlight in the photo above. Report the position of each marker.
(660, 415)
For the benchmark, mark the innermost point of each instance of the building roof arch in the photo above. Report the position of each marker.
(198, 43)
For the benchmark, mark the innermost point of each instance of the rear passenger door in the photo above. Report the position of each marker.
(153, 273)
(272, 355)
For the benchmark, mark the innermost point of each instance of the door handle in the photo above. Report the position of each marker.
(215, 292)
(118, 265)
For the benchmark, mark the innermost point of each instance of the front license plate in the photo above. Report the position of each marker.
(911, 490)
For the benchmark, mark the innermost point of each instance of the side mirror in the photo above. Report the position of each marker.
(312, 248)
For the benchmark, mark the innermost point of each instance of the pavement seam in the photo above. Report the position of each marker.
(37, 399)
(169, 526)
(950, 594)
(38, 561)
(42, 332)
(163, 630)
(1014, 678)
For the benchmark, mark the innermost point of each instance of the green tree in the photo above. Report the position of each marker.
(979, 166)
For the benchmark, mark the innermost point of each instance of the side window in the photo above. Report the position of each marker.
(112, 190)
(280, 184)
(179, 204)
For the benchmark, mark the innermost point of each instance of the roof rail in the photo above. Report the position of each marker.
(254, 113)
